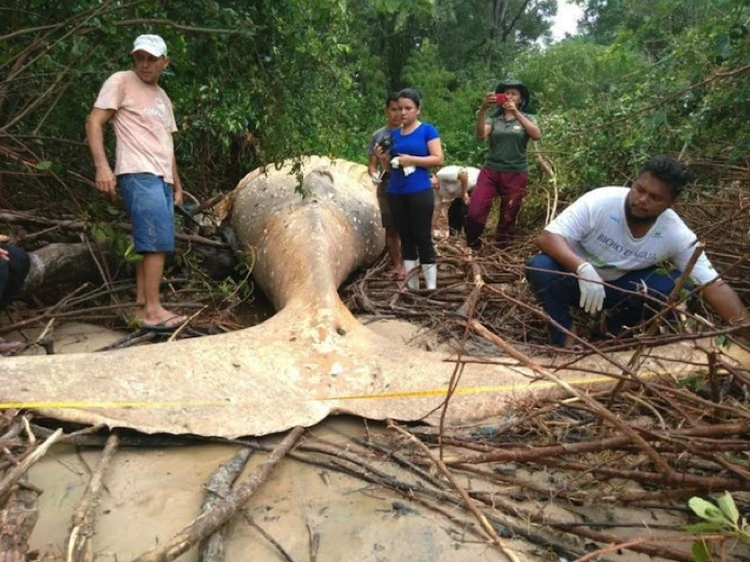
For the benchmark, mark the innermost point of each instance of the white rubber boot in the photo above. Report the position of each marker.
(412, 281)
(429, 270)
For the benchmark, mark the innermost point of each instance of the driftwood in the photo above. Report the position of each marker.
(17, 520)
(218, 488)
(14, 475)
(79, 542)
(210, 520)
(61, 263)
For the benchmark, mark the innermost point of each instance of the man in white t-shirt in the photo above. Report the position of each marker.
(617, 239)
(453, 186)
(145, 169)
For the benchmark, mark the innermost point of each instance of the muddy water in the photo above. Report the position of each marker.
(150, 495)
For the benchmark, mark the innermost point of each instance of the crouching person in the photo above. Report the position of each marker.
(453, 186)
(622, 237)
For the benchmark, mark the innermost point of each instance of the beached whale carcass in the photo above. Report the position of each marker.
(311, 359)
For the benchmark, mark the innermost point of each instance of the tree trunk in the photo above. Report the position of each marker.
(60, 263)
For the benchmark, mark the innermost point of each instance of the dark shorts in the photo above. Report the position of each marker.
(149, 201)
(386, 218)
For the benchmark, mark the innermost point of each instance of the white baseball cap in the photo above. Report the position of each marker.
(152, 44)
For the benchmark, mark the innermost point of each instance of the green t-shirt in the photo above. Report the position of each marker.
(508, 140)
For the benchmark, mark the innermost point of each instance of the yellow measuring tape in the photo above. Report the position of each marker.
(538, 385)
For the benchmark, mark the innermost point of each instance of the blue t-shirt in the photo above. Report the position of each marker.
(413, 144)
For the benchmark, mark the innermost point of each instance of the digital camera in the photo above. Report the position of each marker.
(501, 98)
(386, 144)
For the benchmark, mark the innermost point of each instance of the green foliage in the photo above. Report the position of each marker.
(257, 82)
(692, 382)
(722, 518)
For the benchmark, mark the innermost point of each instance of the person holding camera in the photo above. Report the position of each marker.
(382, 138)
(416, 148)
(505, 170)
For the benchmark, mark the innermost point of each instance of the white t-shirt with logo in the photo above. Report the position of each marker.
(450, 187)
(596, 228)
(143, 122)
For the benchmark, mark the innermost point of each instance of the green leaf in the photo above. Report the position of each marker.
(728, 508)
(131, 256)
(708, 511)
(722, 341)
(700, 552)
(44, 165)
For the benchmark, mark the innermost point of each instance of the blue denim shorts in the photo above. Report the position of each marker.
(149, 201)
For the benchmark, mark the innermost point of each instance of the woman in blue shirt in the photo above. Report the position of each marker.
(416, 148)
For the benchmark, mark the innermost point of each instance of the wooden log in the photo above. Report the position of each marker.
(15, 474)
(17, 520)
(207, 522)
(79, 542)
(217, 488)
(60, 263)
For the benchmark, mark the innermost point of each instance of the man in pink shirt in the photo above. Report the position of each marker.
(145, 168)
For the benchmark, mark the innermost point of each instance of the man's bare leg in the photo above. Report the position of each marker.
(393, 244)
(140, 291)
(437, 216)
(148, 278)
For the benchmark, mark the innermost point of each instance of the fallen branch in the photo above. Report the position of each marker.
(218, 487)
(207, 522)
(10, 480)
(79, 541)
(489, 529)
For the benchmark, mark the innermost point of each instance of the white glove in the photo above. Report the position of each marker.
(396, 162)
(592, 290)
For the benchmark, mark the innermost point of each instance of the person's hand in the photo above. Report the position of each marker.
(405, 160)
(510, 105)
(592, 290)
(178, 196)
(488, 101)
(105, 181)
(467, 199)
(383, 155)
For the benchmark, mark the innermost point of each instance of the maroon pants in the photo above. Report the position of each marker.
(511, 188)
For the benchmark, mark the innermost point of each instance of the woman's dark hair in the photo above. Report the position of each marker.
(412, 94)
(667, 170)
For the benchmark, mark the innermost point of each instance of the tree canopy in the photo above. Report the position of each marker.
(257, 81)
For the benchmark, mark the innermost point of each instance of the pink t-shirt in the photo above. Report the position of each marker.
(144, 124)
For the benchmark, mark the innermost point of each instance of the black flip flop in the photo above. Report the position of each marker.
(163, 326)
